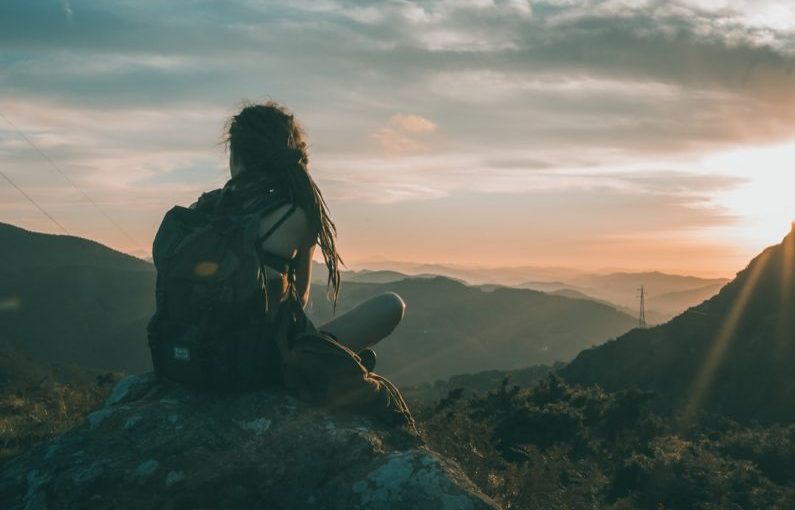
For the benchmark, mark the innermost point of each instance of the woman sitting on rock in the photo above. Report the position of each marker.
(234, 273)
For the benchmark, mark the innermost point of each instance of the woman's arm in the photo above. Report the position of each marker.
(303, 272)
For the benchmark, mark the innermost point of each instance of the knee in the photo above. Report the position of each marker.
(394, 304)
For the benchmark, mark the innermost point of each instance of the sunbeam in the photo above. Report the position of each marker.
(727, 331)
(785, 294)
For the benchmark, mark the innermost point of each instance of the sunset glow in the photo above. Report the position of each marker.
(763, 203)
(608, 136)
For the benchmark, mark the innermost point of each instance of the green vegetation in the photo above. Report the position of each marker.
(29, 417)
(555, 445)
(547, 445)
(731, 355)
(38, 402)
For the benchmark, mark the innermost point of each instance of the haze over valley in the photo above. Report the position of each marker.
(97, 303)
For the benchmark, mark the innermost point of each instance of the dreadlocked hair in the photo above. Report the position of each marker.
(266, 138)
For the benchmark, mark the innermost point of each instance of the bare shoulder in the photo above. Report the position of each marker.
(295, 224)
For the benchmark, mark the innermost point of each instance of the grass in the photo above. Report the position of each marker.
(36, 413)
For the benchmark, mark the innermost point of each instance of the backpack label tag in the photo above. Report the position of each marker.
(182, 353)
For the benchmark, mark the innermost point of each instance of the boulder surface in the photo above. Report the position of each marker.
(165, 447)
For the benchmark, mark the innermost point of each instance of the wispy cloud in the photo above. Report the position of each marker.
(403, 100)
(405, 134)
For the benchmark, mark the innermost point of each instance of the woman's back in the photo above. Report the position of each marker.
(289, 238)
(284, 241)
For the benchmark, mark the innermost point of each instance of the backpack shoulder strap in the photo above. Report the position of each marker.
(279, 223)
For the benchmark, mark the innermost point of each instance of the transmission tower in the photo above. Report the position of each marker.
(642, 316)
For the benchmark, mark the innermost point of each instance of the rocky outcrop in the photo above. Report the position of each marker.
(153, 446)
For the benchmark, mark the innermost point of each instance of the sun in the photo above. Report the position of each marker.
(764, 198)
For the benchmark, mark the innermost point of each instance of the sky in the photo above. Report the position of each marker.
(595, 134)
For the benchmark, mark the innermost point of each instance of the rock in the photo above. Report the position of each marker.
(158, 446)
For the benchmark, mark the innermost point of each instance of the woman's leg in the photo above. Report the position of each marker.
(367, 323)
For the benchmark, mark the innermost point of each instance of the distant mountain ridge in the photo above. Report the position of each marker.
(69, 300)
(667, 294)
(733, 354)
(451, 328)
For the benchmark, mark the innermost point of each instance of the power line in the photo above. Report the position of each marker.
(30, 199)
(69, 180)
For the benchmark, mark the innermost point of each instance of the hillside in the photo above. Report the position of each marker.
(670, 304)
(25, 249)
(732, 354)
(668, 294)
(71, 300)
(451, 328)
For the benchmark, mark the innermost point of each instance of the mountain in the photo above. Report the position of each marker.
(452, 328)
(368, 276)
(508, 275)
(672, 304)
(662, 282)
(65, 299)
(548, 286)
(25, 249)
(576, 294)
(69, 300)
(667, 295)
(320, 273)
(732, 354)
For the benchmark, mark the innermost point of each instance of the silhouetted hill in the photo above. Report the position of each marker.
(576, 294)
(451, 328)
(367, 276)
(25, 249)
(664, 282)
(65, 300)
(672, 304)
(475, 275)
(668, 295)
(732, 354)
(550, 287)
(70, 300)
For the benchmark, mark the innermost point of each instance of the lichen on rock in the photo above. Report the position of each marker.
(158, 446)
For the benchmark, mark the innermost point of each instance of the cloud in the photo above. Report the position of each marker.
(405, 134)
(497, 97)
(657, 76)
(412, 123)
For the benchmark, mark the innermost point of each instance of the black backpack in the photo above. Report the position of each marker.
(213, 326)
